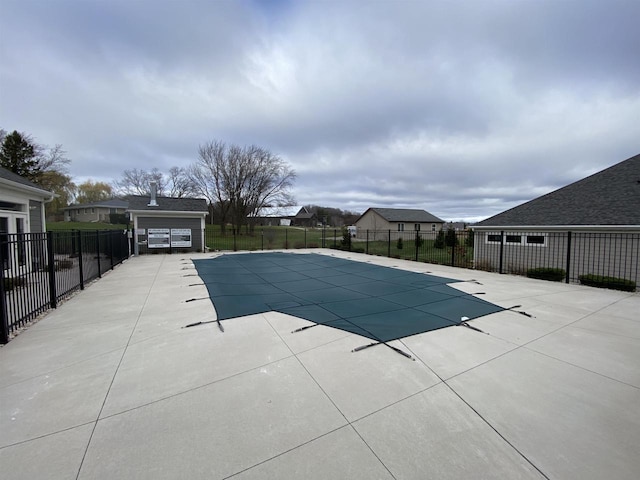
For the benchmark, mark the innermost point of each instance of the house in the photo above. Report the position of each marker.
(591, 226)
(95, 212)
(21, 211)
(398, 220)
(285, 216)
(166, 224)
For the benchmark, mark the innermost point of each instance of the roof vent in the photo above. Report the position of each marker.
(154, 193)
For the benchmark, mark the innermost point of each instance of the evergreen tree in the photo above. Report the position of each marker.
(451, 240)
(20, 156)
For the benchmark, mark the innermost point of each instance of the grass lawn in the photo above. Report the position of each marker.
(265, 238)
(426, 253)
(66, 226)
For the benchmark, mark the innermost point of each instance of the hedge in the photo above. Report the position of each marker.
(551, 274)
(613, 283)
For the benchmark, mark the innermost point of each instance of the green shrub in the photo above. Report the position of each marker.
(439, 241)
(451, 240)
(551, 274)
(346, 238)
(469, 240)
(418, 240)
(613, 283)
(399, 244)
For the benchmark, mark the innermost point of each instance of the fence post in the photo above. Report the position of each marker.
(501, 250)
(417, 242)
(98, 254)
(366, 245)
(262, 239)
(80, 262)
(286, 238)
(389, 245)
(335, 239)
(110, 237)
(305, 238)
(52, 270)
(4, 318)
(566, 280)
(235, 246)
(453, 252)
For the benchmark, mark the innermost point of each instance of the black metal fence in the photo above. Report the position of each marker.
(39, 269)
(573, 254)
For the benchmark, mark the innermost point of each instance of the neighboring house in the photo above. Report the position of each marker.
(457, 226)
(285, 216)
(95, 212)
(398, 220)
(21, 211)
(167, 224)
(590, 226)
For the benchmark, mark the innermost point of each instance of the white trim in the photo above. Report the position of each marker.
(523, 238)
(168, 213)
(41, 193)
(554, 227)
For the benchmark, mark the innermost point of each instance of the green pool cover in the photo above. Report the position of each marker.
(377, 302)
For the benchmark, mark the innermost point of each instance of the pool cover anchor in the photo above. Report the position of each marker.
(463, 323)
(396, 349)
(520, 311)
(304, 328)
(217, 320)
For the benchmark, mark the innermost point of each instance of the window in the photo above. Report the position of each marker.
(401, 227)
(536, 240)
(514, 239)
(4, 241)
(22, 253)
(93, 210)
(416, 227)
(433, 227)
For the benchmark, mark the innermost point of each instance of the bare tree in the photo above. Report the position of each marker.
(207, 177)
(241, 180)
(137, 182)
(180, 183)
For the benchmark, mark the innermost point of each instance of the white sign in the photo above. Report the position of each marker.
(158, 238)
(141, 231)
(181, 237)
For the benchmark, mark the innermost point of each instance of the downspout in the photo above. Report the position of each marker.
(43, 215)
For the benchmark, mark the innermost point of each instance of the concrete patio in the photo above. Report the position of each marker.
(110, 386)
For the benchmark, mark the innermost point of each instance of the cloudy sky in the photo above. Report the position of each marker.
(463, 108)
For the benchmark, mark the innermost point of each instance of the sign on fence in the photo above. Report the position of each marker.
(159, 238)
(181, 237)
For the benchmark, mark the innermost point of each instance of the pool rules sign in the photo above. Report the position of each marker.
(181, 237)
(158, 238)
(169, 237)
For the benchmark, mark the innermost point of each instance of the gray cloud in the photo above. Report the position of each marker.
(464, 108)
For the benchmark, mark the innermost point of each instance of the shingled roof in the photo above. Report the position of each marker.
(13, 177)
(609, 197)
(405, 215)
(167, 204)
(111, 203)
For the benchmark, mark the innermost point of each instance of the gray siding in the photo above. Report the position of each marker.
(613, 254)
(172, 222)
(35, 216)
